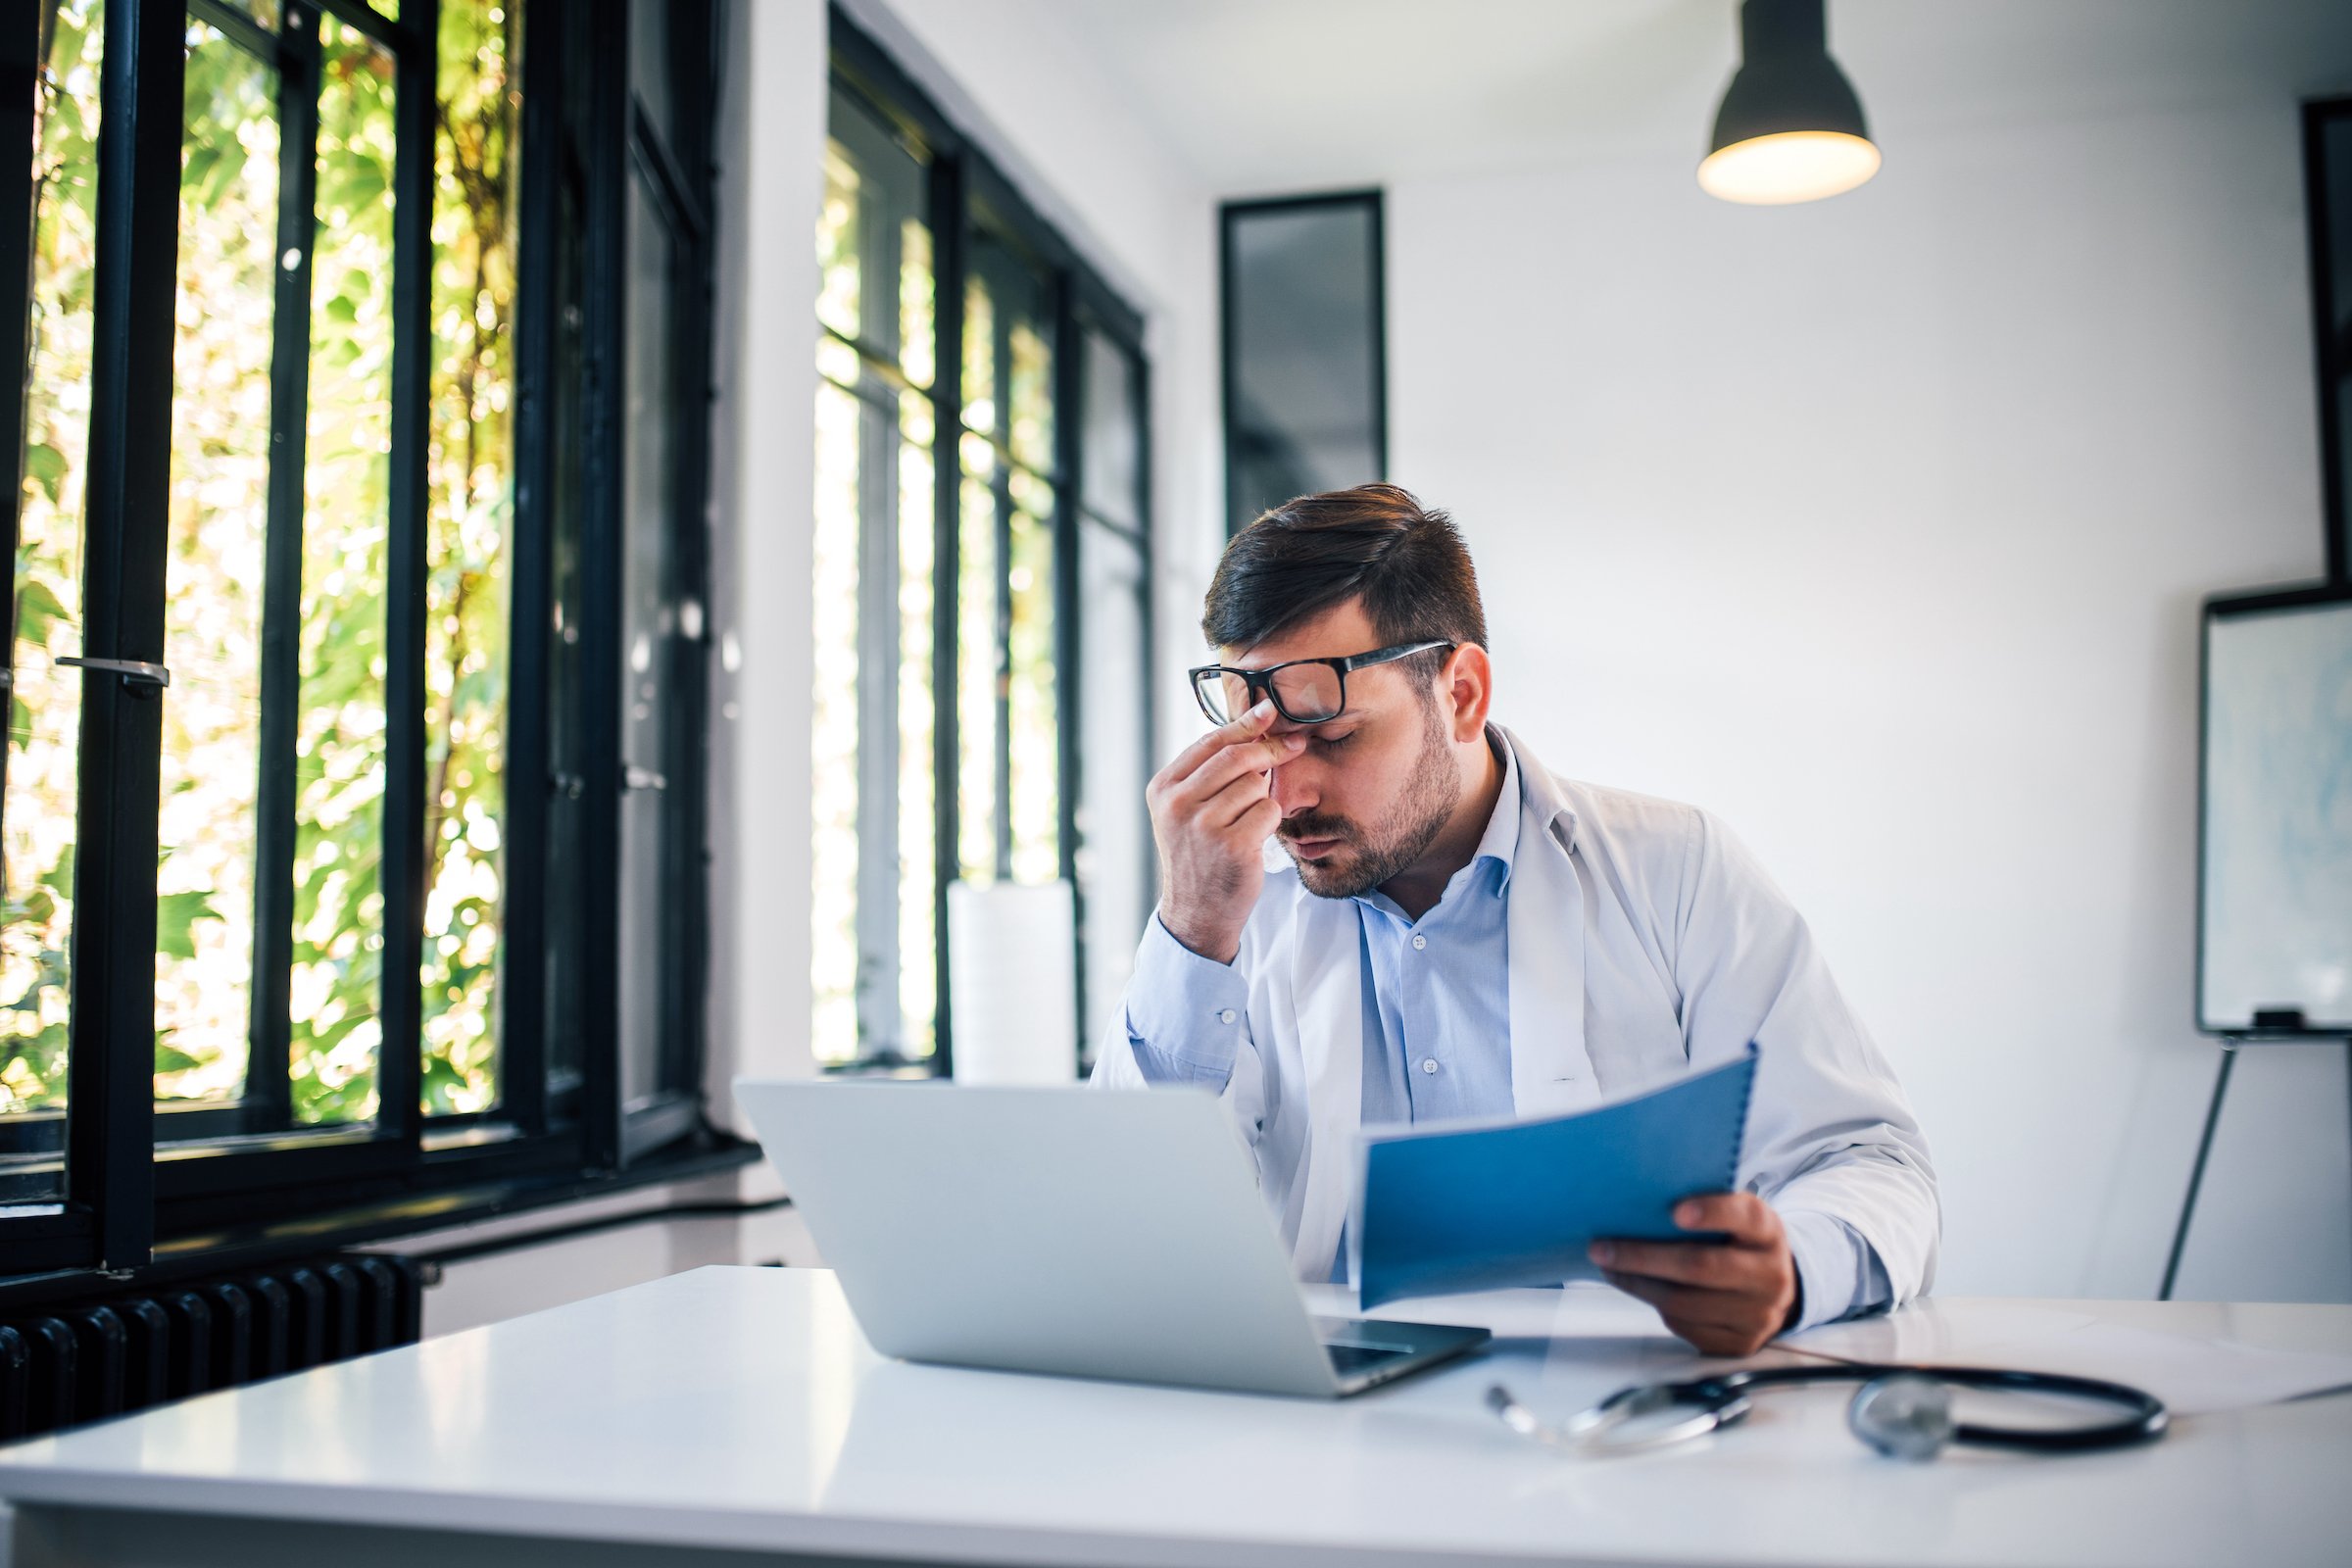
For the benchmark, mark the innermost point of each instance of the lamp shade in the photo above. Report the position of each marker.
(1790, 127)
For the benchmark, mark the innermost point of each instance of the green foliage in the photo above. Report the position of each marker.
(36, 828)
(467, 555)
(220, 465)
(176, 917)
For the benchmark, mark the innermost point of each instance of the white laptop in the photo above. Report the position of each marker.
(1065, 1231)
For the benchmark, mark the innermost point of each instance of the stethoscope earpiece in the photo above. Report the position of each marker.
(1902, 1415)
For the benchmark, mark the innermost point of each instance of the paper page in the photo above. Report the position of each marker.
(2189, 1374)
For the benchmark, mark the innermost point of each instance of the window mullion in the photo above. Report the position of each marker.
(687, 885)
(604, 161)
(1139, 380)
(944, 197)
(1000, 490)
(400, 1064)
(269, 1094)
(111, 1127)
(523, 963)
(1069, 445)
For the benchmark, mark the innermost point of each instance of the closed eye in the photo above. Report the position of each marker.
(1329, 741)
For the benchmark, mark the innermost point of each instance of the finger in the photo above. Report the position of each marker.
(1254, 756)
(1700, 1263)
(1258, 824)
(1228, 805)
(1681, 1304)
(1253, 722)
(1743, 1216)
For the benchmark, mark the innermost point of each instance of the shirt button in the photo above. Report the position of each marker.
(1226, 1016)
(1420, 942)
(1429, 1064)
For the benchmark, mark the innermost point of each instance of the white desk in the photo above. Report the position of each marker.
(739, 1409)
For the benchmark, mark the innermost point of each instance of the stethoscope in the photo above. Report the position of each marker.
(1903, 1411)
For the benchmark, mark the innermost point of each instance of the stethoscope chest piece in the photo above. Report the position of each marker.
(1904, 1415)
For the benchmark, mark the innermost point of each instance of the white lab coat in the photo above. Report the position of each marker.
(1645, 941)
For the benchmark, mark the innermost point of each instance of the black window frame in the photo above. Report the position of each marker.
(2330, 236)
(966, 190)
(1241, 508)
(134, 1201)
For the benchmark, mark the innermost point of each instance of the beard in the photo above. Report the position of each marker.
(1364, 859)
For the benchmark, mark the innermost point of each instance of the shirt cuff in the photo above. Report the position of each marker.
(1186, 1016)
(1838, 1272)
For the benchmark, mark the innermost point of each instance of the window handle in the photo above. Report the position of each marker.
(633, 777)
(134, 673)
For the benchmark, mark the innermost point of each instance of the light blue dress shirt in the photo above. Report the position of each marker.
(1437, 1032)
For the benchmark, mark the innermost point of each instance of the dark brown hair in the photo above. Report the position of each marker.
(1407, 562)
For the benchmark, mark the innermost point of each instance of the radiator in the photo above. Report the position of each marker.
(126, 1351)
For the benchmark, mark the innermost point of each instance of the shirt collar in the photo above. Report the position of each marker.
(1500, 842)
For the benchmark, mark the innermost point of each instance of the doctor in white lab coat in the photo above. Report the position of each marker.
(1449, 929)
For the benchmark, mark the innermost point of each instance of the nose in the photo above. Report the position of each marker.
(1293, 787)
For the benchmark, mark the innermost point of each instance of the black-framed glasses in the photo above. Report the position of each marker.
(1306, 691)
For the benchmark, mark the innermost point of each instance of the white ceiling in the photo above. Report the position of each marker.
(1272, 94)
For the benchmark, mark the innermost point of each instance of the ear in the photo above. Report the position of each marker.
(1466, 686)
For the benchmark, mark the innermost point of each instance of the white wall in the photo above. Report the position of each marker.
(770, 151)
(1879, 526)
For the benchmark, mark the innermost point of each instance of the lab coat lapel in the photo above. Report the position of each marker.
(1552, 1070)
(1330, 1001)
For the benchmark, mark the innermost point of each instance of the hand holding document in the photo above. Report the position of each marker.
(1489, 1205)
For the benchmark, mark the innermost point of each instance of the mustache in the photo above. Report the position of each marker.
(1315, 825)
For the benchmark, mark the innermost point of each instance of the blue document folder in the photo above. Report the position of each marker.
(1496, 1204)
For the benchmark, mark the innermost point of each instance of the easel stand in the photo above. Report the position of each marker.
(2213, 1119)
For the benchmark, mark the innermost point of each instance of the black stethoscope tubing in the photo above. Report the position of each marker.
(1726, 1394)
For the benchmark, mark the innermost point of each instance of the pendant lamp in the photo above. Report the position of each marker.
(1790, 129)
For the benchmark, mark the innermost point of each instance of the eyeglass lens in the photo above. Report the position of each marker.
(1304, 694)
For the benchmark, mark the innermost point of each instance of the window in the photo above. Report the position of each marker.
(982, 578)
(1306, 349)
(350, 827)
(2328, 196)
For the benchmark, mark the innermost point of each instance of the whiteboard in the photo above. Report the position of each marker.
(2275, 925)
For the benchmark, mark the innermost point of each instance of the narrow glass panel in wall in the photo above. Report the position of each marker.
(1304, 408)
(215, 579)
(1009, 700)
(979, 617)
(1113, 854)
(649, 639)
(340, 721)
(1033, 699)
(1112, 435)
(874, 958)
(468, 530)
(37, 800)
(1115, 842)
(567, 845)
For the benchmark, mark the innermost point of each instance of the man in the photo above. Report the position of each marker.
(1456, 933)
